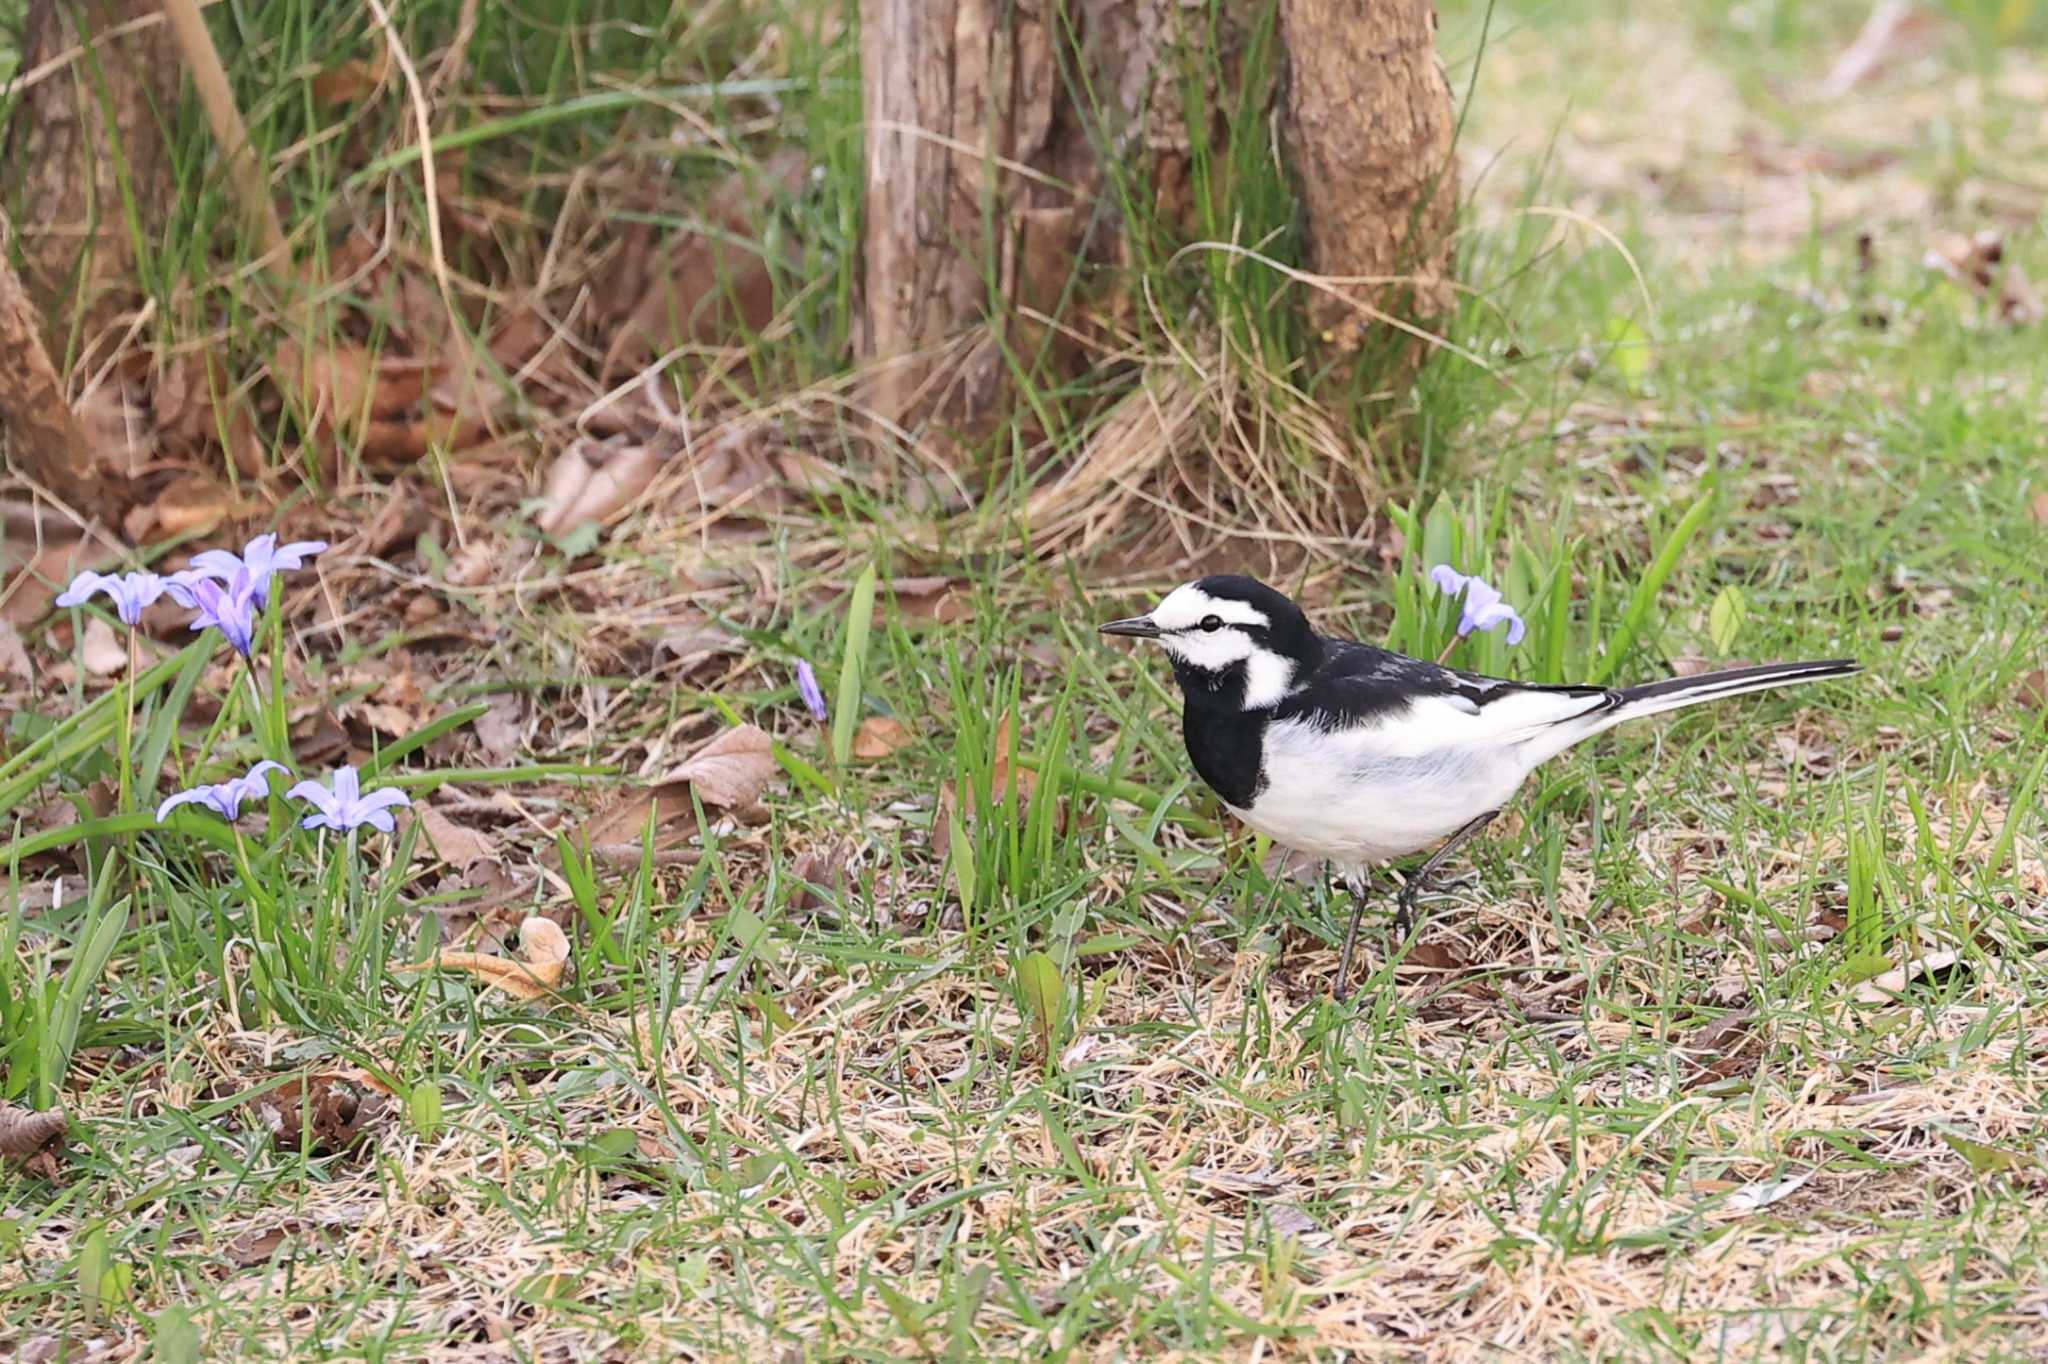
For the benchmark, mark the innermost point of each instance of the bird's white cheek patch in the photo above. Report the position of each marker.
(1268, 679)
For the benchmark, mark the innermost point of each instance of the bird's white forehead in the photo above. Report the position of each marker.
(1188, 605)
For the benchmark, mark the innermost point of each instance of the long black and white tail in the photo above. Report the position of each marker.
(1675, 693)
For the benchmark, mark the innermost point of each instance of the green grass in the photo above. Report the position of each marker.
(1048, 1068)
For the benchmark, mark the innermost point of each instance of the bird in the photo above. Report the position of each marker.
(1359, 755)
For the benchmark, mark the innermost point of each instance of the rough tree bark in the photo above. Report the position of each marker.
(84, 150)
(985, 177)
(43, 437)
(1368, 129)
(971, 150)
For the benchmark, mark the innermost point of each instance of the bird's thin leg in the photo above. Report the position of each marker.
(1354, 882)
(1404, 908)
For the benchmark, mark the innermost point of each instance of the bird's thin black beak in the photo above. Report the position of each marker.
(1139, 627)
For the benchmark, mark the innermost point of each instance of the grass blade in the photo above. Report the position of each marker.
(860, 615)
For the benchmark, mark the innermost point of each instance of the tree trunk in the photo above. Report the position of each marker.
(986, 179)
(44, 439)
(978, 174)
(1368, 129)
(85, 168)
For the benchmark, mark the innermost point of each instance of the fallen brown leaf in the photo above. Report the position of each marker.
(33, 1140)
(591, 481)
(461, 847)
(879, 736)
(1982, 265)
(348, 382)
(545, 952)
(498, 730)
(36, 560)
(407, 440)
(14, 655)
(253, 1248)
(732, 770)
(2032, 689)
(318, 740)
(329, 1109)
(118, 426)
(351, 81)
(620, 826)
(1886, 988)
(708, 286)
(819, 869)
(103, 653)
(934, 599)
(1434, 956)
(999, 774)
(193, 504)
(2040, 507)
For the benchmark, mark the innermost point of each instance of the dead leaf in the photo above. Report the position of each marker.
(729, 773)
(118, 426)
(2040, 507)
(318, 740)
(330, 1110)
(710, 286)
(819, 869)
(351, 81)
(2033, 689)
(621, 826)
(407, 440)
(194, 504)
(14, 655)
(39, 553)
(732, 770)
(591, 481)
(1434, 956)
(498, 729)
(879, 736)
(253, 1248)
(33, 1140)
(485, 382)
(347, 383)
(475, 566)
(459, 846)
(104, 654)
(1982, 265)
(1819, 761)
(999, 774)
(396, 526)
(1886, 988)
(386, 718)
(934, 599)
(544, 950)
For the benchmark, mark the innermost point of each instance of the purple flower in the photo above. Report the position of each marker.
(345, 808)
(262, 557)
(1483, 608)
(814, 695)
(230, 609)
(131, 591)
(225, 798)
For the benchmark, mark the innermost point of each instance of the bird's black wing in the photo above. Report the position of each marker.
(1358, 683)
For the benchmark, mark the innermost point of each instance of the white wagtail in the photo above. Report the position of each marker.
(1357, 755)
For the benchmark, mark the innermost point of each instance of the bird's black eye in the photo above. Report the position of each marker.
(1211, 624)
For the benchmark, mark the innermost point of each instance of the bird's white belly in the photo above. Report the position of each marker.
(1341, 797)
